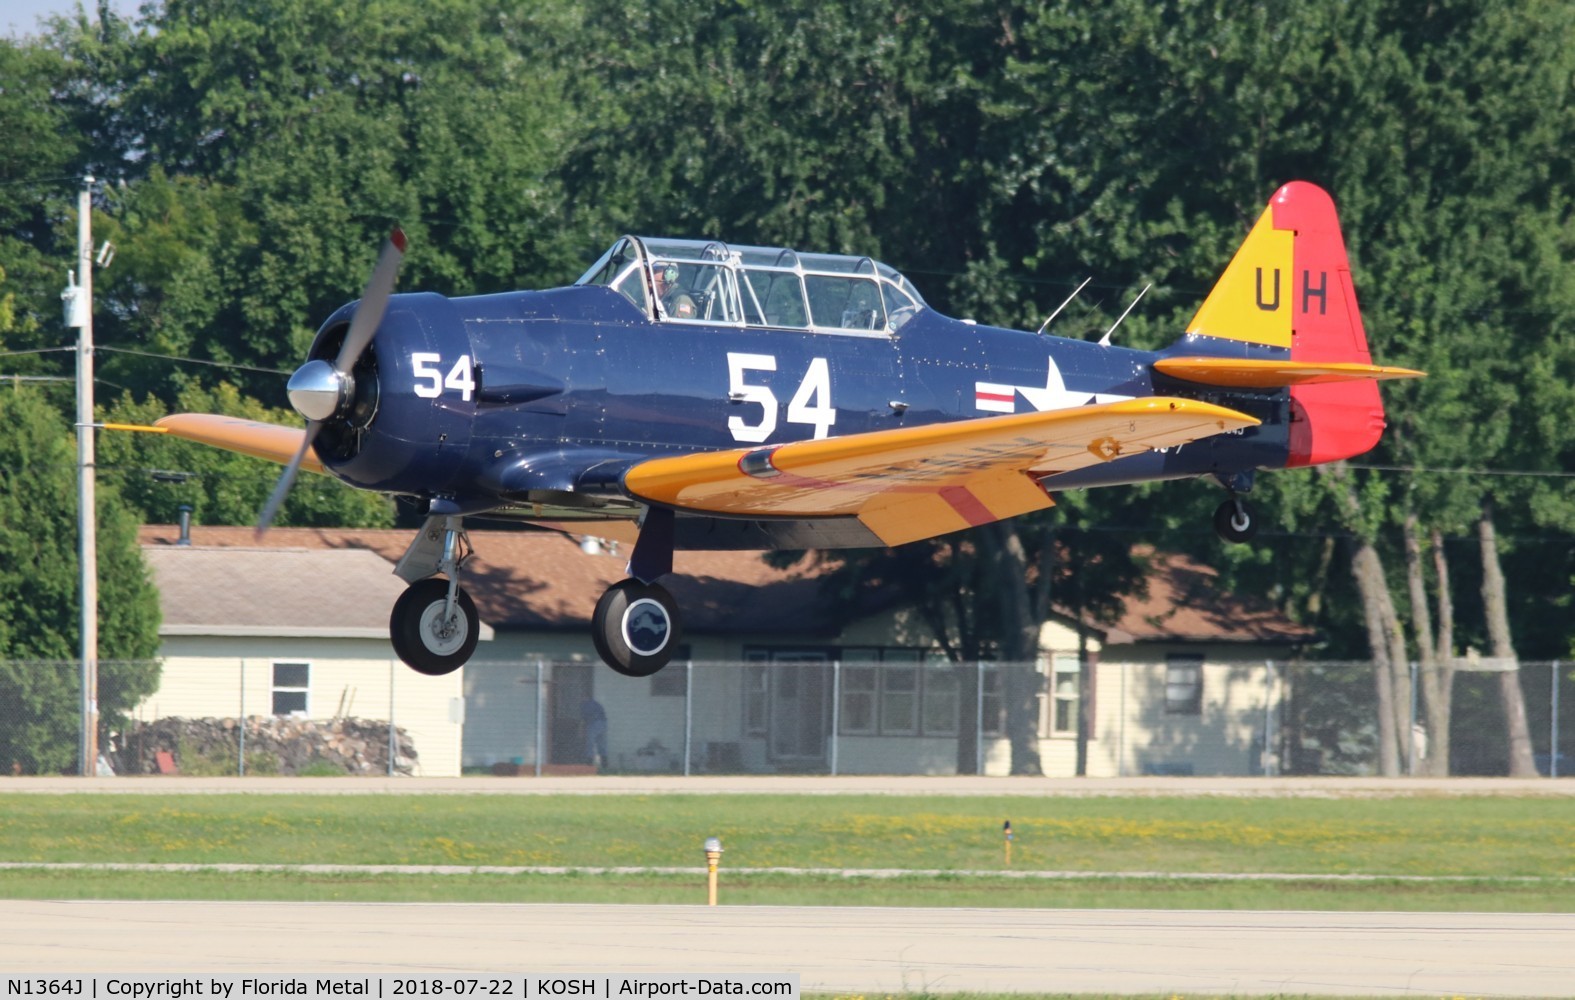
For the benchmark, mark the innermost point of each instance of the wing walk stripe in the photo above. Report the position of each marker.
(966, 504)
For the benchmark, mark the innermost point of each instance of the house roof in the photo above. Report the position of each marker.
(247, 590)
(1185, 604)
(544, 580)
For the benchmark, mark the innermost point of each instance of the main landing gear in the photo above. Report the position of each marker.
(434, 626)
(636, 628)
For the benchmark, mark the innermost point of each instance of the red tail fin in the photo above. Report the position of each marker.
(1289, 286)
(1338, 420)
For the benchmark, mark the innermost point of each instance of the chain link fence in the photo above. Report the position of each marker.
(775, 713)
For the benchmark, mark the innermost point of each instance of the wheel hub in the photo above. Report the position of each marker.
(646, 627)
(443, 635)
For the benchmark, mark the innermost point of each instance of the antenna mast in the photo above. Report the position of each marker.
(1068, 302)
(1105, 340)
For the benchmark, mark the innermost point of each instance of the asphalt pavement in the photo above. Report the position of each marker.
(845, 950)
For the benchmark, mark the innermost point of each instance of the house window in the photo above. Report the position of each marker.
(669, 683)
(899, 693)
(1065, 690)
(672, 682)
(859, 684)
(1183, 685)
(756, 683)
(942, 701)
(291, 681)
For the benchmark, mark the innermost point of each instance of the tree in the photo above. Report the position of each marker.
(268, 149)
(1511, 697)
(40, 594)
(36, 163)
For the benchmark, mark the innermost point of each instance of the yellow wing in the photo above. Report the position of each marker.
(249, 437)
(918, 482)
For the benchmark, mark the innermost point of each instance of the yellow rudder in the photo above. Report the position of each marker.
(1252, 299)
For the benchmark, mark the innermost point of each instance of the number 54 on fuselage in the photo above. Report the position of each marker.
(697, 395)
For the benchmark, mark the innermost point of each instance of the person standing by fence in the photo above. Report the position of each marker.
(594, 718)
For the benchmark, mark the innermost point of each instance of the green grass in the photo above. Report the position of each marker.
(1489, 840)
(1482, 837)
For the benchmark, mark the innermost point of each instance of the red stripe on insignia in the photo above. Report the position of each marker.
(996, 397)
(966, 504)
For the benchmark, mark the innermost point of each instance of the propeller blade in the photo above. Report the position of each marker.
(374, 301)
(281, 489)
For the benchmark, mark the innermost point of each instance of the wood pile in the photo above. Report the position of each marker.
(284, 745)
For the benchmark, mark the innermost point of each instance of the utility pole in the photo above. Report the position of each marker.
(80, 315)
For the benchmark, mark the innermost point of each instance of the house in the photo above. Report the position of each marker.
(772, 677)
(283, 630)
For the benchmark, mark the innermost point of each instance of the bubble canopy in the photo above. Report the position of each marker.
(710, 282)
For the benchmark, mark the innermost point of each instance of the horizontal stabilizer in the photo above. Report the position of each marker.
(248, 437)
(1246, 373)
(909, 483)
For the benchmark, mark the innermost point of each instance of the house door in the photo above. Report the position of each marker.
(800, 699)
(571, 684)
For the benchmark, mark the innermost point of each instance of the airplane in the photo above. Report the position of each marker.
(692, 394)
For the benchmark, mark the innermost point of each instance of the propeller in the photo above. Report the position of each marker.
(321, 390)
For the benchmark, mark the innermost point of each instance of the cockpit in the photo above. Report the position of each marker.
(712, 283)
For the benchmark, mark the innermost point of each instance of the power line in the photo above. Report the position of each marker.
(1435, 470)
(35, 350)
(194, 361)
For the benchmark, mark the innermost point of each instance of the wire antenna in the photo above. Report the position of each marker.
(1105, 340)
(1068, 302)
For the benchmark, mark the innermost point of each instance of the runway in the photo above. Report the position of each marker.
(833, 949)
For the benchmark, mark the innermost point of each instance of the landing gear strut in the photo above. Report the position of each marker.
(434, 626)
(1235, 520)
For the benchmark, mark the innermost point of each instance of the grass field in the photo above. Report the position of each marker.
(1498, 853)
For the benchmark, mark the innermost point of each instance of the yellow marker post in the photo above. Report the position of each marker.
(713, 854)
(1006, 831)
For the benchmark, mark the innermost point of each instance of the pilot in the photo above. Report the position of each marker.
(680, 306)
(676, 303)
(666, 280)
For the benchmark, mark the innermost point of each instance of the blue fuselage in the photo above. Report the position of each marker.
(496, 403)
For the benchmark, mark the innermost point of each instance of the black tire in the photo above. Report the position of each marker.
(1235, 520)
(415, 628)
(636, 628)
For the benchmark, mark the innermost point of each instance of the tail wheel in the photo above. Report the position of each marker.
(429, 641)
(636, 628)
(1235, 520)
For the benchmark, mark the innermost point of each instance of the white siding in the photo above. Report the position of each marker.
(203, 678)
(1240, 697)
